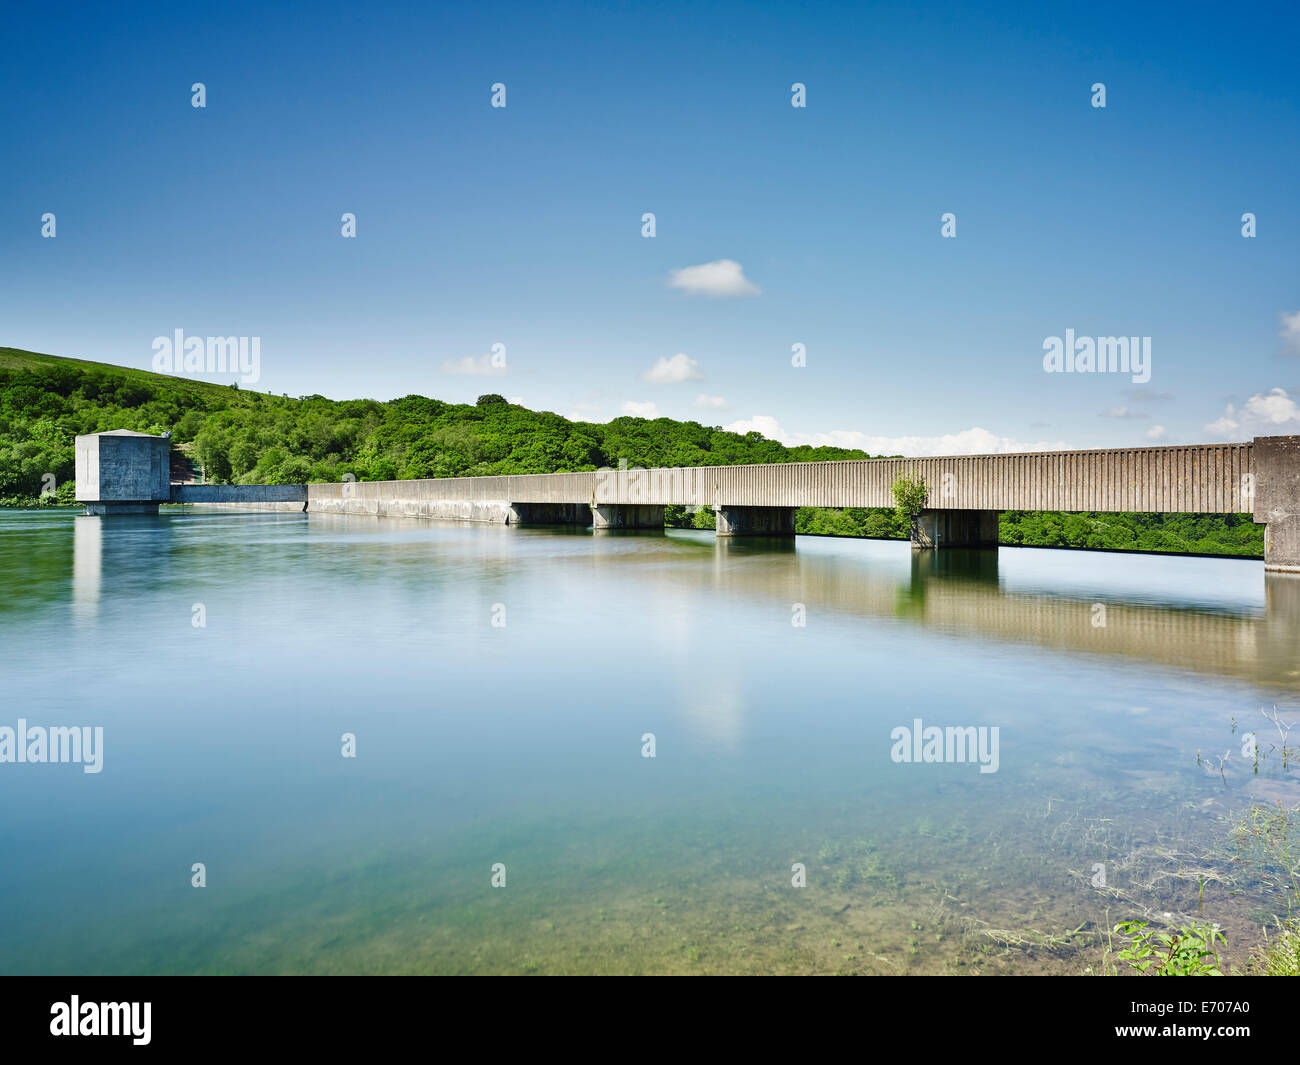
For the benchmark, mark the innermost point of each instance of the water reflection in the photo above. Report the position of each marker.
(1238, 633)
(87, 566)
(1243, 624)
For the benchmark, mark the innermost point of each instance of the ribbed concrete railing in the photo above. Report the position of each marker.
(1203, 479)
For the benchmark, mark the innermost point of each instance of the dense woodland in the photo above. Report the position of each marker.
(1197, 534)
(240, 436)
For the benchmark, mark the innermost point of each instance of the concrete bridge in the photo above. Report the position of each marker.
(127, 472)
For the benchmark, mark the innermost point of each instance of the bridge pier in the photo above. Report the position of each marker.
(956, 528)
(755, 521)
(626, 516)
(1277, 500)
(548, 514)
(1282, 545)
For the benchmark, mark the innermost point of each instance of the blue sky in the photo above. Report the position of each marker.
(522, 225)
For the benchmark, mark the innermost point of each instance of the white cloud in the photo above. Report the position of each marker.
(640, 410)
(473, 366)
(974, 441)
(1122, 412)
(707, 402)
(516, 400)
(1263, 411)
(725, 277)
(1156, 432)
(673, 371)
(1272, 409)
(586, 412)
(1290, 330)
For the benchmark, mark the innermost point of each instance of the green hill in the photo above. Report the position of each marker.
(50, 367)
(252, 438)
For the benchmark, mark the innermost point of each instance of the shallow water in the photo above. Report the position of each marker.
(521, 743)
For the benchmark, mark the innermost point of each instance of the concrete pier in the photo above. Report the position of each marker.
(627, 516)
(1277, 500)
(755, 521)
(549, 514)
(956, 528)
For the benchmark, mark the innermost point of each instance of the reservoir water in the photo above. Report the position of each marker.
(503, 687)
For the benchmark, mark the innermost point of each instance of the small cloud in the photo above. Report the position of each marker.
(640, 410)
(673, 371)
(473, 366)
(1121, 412)
(722, 278)
(1145, 395)
(1156, 432)
(1263, 411)
(1290, 330)
(518, 401)
(1225, 426)
(586, 412)
(706, 402)
(1272, 409)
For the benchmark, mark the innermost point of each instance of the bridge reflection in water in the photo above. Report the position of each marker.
(1031, 596)
(986, 595)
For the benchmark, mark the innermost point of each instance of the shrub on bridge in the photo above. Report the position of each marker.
(910, 494)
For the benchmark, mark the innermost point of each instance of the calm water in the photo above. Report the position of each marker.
(481, 743)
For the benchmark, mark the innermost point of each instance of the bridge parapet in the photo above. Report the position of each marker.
(239, 493)
(1201, 479)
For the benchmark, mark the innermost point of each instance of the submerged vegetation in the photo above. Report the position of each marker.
(245, 437)
(985, 892)
(1257, 857)
(1259, 850)
(1280, 953)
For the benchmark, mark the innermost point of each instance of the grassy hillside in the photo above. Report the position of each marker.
(253, 438)
(18, 360)
(249, 437)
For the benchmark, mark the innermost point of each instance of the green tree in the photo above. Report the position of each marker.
(910, 494)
